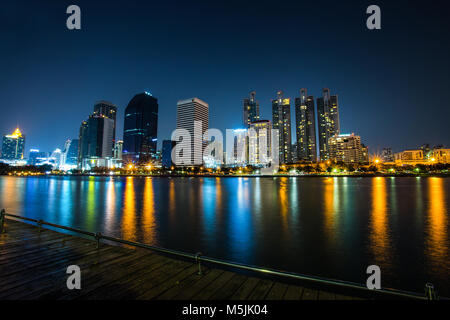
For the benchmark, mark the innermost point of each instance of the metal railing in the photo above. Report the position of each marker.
(430, 293)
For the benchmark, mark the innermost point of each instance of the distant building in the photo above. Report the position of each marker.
(189, 112)
(36, 157)
(13, 146)
(387, 155)
(167, 147)
(305, 127)
(251, 110)
(140, 132)
(237, 154)
(69, 156)
(95, 141)
(411, 157)
(328, 121)
(260, 154)
(440, 155)
(346, 148)
(118, 150)
(108, 110)
(281, 114)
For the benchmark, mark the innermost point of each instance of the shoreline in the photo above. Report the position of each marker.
(374, 175)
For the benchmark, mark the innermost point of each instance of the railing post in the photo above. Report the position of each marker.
(40, 225)
(2, 220)
(430, 292)
(98, 236)
(197, 256)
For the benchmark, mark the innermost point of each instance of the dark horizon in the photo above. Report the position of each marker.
(387, 80)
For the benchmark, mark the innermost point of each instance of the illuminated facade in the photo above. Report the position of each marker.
(237, 153)
(440, 156)
(251, 109)
(95, 141)
(13, 146)
(189, 112)
(281, 114)
(409, 157)
(328, 121)
(305, 127)
(108, 110)
(260, 143)
(347, 148)
(140, 132)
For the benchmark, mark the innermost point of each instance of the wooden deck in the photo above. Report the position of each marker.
(33, 266)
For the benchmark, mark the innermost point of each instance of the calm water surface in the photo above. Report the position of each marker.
(331, 227)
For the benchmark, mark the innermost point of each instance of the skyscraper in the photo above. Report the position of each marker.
(190, 111)
(260, 154)
(140, 129)
(13, 146)
(251, 109)
(281, 114)
(95, 141)
(108, 110)
(328, 120)
(305, 127)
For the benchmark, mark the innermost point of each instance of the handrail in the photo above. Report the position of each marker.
(430, 295)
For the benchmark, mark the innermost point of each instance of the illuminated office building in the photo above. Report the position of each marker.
(347, 148)
(281, 114)
(305, 127)
(190, 111)
(251, 110)
(13, 146)
(140, 132)
(328, 121)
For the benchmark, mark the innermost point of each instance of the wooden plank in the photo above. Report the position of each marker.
(309, 294)
(245, 289)
(262, 288)
(214, 286)
(293, 292)
(324, 295)
(190, 292)
(229, 288)
(277, 292)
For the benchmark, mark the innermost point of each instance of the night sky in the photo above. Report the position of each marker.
(392, 83)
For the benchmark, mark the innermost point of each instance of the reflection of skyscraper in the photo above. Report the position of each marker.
(251, 109)
(13, 146)
(190, 111)
(305, 127)
(281, 113)
(328, 119)
(140, 129)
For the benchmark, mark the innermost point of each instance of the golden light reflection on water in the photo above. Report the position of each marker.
(172, 201)
(148, 225)
(437, 241)
(282, 192)
(329, 203)
(379, 236)
(129, 211)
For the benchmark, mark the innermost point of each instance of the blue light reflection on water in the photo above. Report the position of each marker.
(332, 227)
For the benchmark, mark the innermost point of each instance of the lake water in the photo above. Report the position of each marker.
(329, 227)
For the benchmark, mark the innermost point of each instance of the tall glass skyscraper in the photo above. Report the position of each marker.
(13, 146)
(328, 120)
(281, 114)
(305, 127)
(251, 110)
(140, 129)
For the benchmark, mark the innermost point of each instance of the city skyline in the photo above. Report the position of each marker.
(383, 83)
